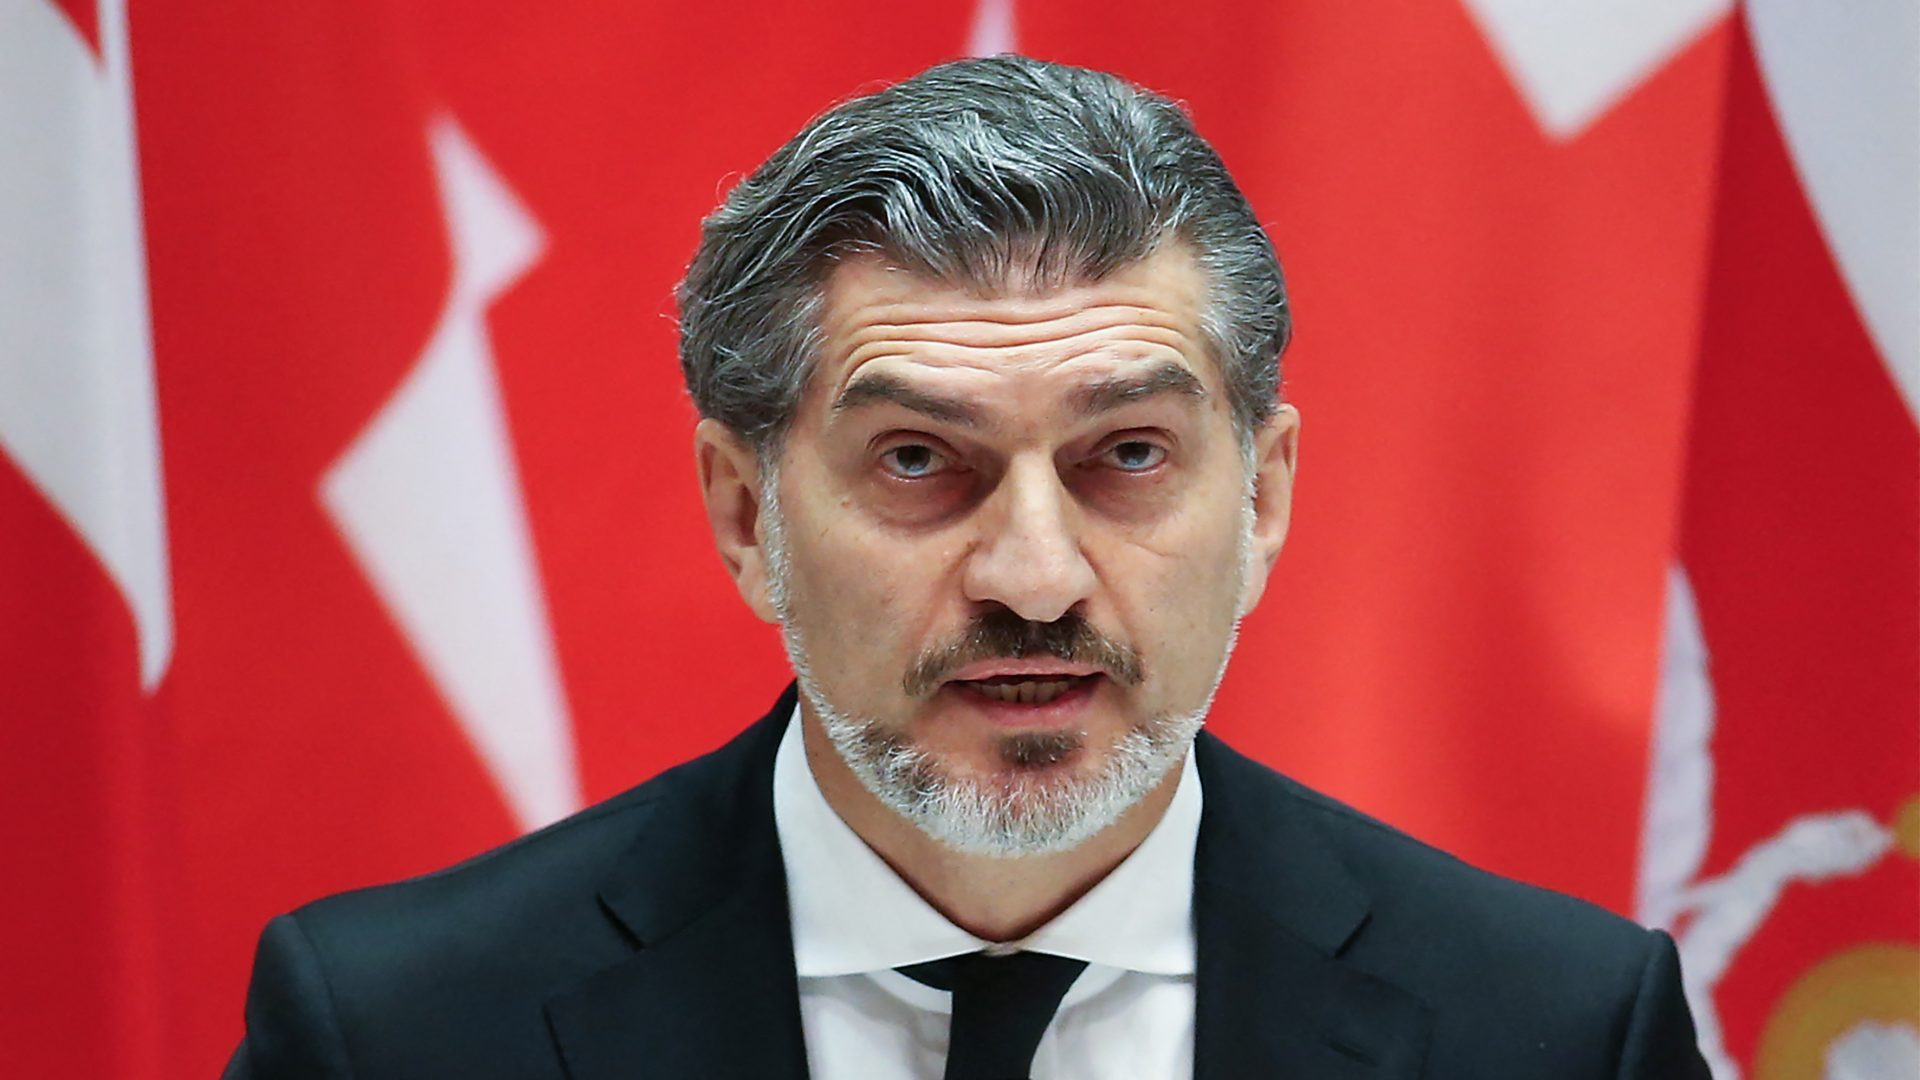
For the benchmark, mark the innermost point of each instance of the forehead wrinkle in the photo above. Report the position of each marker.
(1001, 329)
(1125, 341)
(875, 312)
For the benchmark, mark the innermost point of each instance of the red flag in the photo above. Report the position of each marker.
(429, 566)
(86, 621)
(1784, 812)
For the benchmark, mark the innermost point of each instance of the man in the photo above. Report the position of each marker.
(989, 366)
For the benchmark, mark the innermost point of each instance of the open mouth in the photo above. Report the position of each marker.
(1026, 689)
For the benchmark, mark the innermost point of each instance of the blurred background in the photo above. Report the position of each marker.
(348, 524)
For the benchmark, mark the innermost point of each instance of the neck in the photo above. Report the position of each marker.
(990, 897)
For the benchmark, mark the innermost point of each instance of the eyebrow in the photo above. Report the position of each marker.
(883, 387)
(1165, 377)
(1087, 401)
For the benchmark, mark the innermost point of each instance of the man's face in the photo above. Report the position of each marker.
(1013, 536)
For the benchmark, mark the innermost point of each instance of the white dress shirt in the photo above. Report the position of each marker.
(1130, 1014)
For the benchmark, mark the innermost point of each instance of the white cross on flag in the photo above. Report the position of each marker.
(347, 526)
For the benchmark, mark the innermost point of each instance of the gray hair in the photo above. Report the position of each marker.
(973, 172)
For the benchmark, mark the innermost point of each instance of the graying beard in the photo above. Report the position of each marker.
(1026, 815)
(1031, 814)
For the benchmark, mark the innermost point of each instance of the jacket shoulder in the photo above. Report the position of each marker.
(466, 957)
(1410, 881)
(1512, 974)
(548, 876)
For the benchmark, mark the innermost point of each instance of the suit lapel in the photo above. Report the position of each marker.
(710, 989)
(1274, 913)
(716, 999)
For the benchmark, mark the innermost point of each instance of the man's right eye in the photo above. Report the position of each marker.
(913, 461)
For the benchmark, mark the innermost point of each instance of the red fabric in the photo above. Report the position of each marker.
(1800, 534)
(1497, 343)
(77, 908)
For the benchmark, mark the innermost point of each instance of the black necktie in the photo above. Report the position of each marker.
(1001, 1004)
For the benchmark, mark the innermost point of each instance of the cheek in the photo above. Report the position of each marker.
(865, 601)
(1177, 595)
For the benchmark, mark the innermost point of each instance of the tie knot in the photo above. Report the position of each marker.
(1001, 1006)
(1011, 971)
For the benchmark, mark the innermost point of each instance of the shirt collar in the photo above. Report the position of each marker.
(851, 913)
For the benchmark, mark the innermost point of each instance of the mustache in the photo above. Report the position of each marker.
(1002, 634)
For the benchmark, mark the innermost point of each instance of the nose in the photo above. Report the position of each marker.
(1029, 557)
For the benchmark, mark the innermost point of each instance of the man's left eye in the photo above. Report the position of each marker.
(1136, 455)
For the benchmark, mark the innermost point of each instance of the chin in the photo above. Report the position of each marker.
(1021, 793)
(1043, 756)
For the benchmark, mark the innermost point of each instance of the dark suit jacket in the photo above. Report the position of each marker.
(648, 937)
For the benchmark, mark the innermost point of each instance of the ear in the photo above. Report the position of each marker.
(1276, 449)
(730, 486)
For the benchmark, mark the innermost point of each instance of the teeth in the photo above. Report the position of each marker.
(1026, 692)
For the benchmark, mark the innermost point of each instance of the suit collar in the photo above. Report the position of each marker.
(852, 913)
(710, 990)
(708, 834)
(1275, 912)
